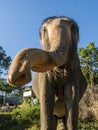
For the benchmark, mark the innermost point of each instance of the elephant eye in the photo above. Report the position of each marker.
(43, 33)
(45, 30)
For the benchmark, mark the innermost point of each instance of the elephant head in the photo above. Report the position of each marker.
(58, 35)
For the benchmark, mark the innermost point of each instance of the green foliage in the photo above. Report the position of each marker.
(86, 125)
(4, 86)
(89, 62)
(27, 114)
(21, 118)
(4, 60)
(26, 117)
(5, 120)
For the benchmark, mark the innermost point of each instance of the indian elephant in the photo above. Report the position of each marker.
(58, 82)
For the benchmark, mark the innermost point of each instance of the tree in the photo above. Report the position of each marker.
(5, 61)
(89, 62)
(6, 88)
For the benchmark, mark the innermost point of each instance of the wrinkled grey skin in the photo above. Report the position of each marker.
(58, 82)
(60, 89)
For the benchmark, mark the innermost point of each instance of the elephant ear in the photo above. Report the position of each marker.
(74, 33)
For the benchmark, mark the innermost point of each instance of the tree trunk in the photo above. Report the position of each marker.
(4, 99)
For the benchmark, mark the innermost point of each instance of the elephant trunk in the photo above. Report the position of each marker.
(32, 59)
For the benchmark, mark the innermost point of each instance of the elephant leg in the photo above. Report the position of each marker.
(75, 112)
(64, 121)
(83, 85)
(68, 107)
(35, 86)
(71, 107)
(55, 121)
(46, 103)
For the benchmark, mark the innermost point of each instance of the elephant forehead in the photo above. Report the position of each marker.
(52, 24)
(56, 21)
(66, 19)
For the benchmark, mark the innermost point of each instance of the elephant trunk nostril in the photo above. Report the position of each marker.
(22, 76)
(14, 79)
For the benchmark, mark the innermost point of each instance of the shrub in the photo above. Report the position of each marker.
(27, 114)
(5, 120)
(87, 125)
(26, 117)
(21, 118)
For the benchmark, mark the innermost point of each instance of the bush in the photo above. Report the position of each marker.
(21, 118)
(87, 125)
(26, 117)
(5, 120)
(28, 114)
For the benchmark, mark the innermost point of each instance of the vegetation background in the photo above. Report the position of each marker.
(25, 113)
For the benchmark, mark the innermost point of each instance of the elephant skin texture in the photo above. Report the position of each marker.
(58, 82)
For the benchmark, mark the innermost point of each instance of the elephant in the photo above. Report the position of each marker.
(58, 82)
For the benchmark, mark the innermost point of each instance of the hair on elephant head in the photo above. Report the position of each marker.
(58, 82)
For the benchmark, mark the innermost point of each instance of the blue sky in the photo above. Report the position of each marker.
(20, 21)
